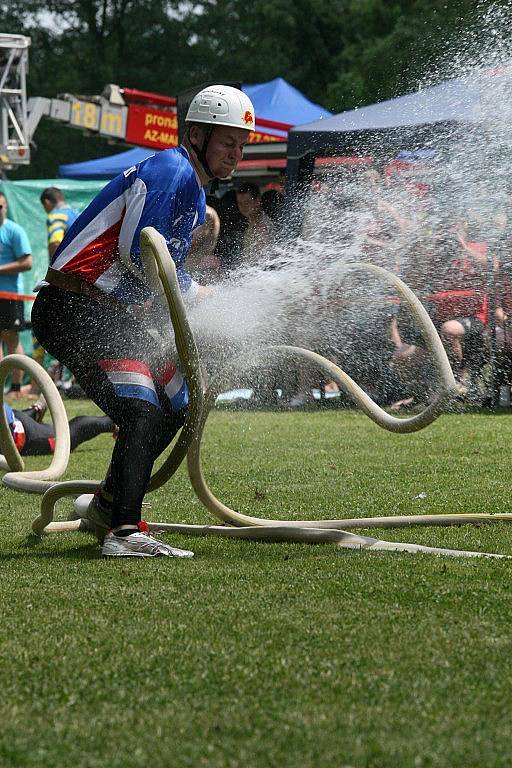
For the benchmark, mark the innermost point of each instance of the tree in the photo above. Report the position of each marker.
(340, 54)
(402, 45)
(295, 39)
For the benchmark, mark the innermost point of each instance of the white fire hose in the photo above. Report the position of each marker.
(161, 273)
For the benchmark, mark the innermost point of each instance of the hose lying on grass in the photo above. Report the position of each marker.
(162, 275)
(38, 481)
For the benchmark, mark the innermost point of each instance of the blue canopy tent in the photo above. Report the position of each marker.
(105, 167)
(276, 100)
(399, 123)
(456, 100)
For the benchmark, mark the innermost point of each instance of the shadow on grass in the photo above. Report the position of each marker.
(32, 545)
(215, 550)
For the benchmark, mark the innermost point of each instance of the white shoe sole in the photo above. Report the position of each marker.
(175, 553)
(137, 545)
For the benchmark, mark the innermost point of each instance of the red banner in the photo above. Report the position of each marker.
(258, 137)
(148, 97)
(150, 127)
(158, 128)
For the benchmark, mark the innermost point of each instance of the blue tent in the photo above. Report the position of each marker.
(407, 121)
(276, 100)
(452, 102)
(105, 167)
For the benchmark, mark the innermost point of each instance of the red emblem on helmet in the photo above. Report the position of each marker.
(248, 119)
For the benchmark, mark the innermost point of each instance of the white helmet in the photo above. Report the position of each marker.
(222, 105)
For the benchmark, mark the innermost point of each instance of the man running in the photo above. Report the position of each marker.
(93, 314)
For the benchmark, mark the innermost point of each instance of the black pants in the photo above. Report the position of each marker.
(86, 337)
(40, 438)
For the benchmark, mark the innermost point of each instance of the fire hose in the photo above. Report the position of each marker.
(161, 274)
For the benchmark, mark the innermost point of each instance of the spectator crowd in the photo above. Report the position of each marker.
(456, 262)
(455, 258)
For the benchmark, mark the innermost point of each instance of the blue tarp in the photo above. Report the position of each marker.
(455, 100)
(452, 102)
(276, 100)
(105, 167)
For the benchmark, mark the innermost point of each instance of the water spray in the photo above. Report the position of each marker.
(161, 275)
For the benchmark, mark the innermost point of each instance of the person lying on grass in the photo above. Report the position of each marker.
(34, 438)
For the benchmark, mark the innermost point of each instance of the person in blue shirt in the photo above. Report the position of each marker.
(60, 216)
(96, 312)
(15, 258)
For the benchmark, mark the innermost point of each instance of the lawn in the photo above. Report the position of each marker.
(271, 654)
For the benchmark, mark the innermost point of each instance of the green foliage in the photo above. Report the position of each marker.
(403, 45)
(378, 45)
(340, 54)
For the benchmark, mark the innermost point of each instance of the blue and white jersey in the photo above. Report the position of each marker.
(102, 245)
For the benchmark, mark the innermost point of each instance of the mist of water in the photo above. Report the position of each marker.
(299, 293)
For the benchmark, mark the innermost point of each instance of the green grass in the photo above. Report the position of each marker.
(270, 655)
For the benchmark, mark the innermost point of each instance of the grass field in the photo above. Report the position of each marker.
(271, 655)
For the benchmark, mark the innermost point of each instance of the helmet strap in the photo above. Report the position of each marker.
(201, 153)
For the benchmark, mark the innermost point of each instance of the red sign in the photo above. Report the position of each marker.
(158, 128)
(152, 127)
(257, 137)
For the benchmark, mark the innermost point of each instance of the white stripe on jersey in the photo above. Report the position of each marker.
(130, 377)
(105, 219)
(174, 385)
(111, 278)
(136, 199)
